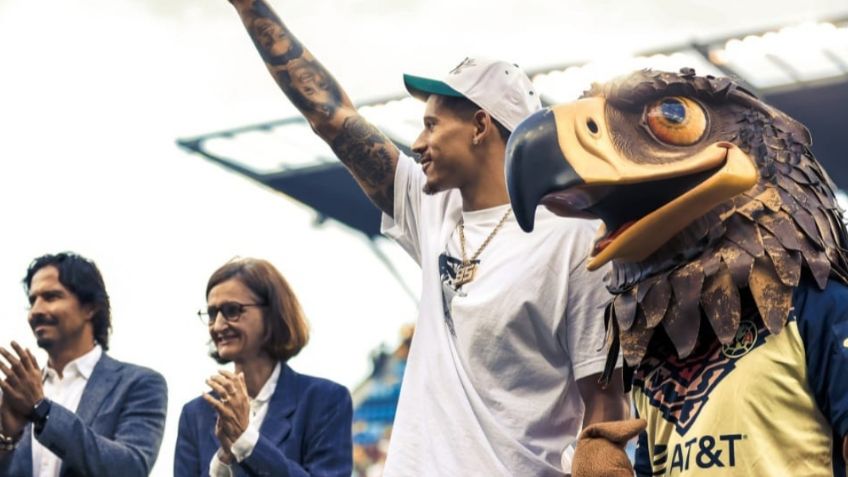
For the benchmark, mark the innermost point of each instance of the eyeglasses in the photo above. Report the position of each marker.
(231, 311)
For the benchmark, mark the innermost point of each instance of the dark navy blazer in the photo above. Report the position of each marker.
(116, 429)
(307, 432)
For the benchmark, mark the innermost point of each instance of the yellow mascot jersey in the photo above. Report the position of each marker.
(765, 405)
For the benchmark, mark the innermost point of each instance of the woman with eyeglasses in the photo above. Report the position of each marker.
(264, 418)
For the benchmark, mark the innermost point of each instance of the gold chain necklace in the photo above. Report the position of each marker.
(468, 267)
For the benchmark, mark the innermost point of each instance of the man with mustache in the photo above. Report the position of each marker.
(84, 413)
(503, 368)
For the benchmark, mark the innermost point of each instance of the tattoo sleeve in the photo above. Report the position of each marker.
(371, 158)
(367, 153)
(302, 78)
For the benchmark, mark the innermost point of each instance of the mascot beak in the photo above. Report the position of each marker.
(565, 158)
(535, 166)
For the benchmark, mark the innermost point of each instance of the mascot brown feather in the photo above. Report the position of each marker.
(713, 206)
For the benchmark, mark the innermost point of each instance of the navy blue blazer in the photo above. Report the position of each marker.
(118, 425)
(307, 432)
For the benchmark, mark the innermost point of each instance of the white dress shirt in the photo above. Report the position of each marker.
(243, 446)
(67, 392)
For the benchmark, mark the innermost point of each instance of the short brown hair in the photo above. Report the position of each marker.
(286, 329)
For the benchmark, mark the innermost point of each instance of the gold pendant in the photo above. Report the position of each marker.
(464, 274)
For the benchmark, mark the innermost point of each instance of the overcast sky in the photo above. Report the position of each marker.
(93, 94)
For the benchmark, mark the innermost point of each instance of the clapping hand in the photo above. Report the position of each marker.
(233, 408)
(22, 388)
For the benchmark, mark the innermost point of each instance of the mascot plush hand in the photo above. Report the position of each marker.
(729, 269)
(600, 449)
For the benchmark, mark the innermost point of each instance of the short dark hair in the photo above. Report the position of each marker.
(287, 331)
(82, 278)
(465, 108)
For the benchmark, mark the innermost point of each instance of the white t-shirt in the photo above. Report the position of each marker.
(489, 387)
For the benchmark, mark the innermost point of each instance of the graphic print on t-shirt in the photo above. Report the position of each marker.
(679, 388)
(448, 268)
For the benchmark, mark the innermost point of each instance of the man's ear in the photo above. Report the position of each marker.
(90, 310)
(483, 126)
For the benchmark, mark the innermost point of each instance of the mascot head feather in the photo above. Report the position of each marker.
(707, 195)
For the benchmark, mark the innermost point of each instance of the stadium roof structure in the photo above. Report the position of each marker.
(801, 69)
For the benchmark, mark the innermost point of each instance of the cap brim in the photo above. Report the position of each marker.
(421, 88)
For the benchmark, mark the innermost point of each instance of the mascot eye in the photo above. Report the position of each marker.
(676, 120)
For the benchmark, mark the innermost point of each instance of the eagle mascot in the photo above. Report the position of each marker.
(729, 273)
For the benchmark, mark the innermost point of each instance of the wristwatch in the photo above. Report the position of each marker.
(40, 413)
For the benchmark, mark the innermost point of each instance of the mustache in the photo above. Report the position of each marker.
(39, 320)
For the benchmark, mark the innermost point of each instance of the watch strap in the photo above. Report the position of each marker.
(39, 415)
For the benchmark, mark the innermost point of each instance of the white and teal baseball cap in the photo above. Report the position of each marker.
(501, 89)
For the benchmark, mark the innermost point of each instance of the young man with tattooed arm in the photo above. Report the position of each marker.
(505, 360)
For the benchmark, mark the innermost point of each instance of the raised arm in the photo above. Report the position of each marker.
(367, 153)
